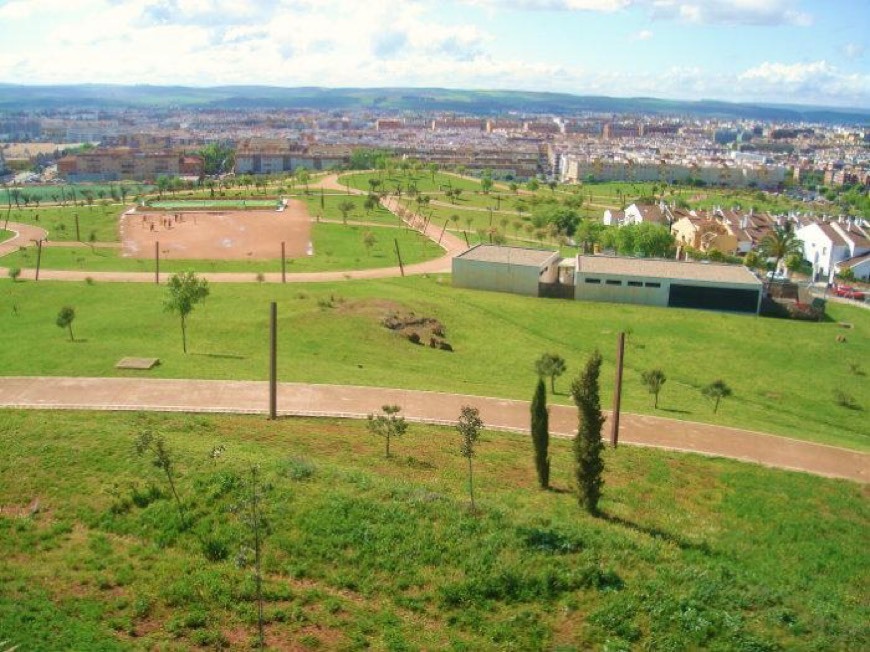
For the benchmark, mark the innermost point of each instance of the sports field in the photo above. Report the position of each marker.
(217, 235)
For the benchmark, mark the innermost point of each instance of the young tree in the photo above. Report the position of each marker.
(186, 289)
(65, 318)
(161, 457)
(388, 424)
(251, 513)
(550, 365)
(345, 207)
(654, 379)
(716, 391)
(540, 429)
(469, 426)
(589, 466)
(369, 241)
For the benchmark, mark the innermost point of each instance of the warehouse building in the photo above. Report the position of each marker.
(671, 283)
(611, 279)
(517, 270)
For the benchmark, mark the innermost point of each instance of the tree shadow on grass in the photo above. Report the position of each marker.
(657, 533)
(228, 356)
(674, 411)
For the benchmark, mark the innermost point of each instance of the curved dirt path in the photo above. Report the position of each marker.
(299, 399)
(24, 235)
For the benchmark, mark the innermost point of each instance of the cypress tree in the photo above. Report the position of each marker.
(587, 444)
(541, 434)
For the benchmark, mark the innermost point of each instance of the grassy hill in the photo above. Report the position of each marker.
(784, 374)
(368, 552)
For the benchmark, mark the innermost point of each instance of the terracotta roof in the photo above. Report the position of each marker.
(854, 262)
(668, 269)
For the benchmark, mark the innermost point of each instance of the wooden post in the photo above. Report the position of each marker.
(78, 236)
(273, 361)
(443, 230)
(283, 263)
(617, 390)
(399, 256)
(38, 257)
(157, 262)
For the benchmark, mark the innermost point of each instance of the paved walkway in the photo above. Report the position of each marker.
(431, 407)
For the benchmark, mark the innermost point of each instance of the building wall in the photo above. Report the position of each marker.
(618, 288)
(644, 294)
(501, 277)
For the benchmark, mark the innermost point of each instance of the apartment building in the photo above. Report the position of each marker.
(128, 164)
(274, 156)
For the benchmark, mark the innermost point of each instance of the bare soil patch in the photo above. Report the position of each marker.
(218, 235)
(418, 329)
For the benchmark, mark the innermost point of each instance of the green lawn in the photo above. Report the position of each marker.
(68, 192)
(5, 235)
(367, 552)
(784, 373)
(424, 181)
(328, 209)
(336, 247)
(185, 204)
(60, 221)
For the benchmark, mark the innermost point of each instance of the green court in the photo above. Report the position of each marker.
(232, 204)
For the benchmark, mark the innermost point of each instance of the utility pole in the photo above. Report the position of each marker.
(157, 262)
(273, 361)
(617, 390)
(399, 256)
(283, 264)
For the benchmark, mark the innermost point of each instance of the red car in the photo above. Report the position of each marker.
(848, 292)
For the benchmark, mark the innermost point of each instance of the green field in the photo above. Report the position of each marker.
(336, 247)
(424, 181)
(328, 209)
(60, 221)
(70, 192)
(367, 552)
(5, 235)
(188, 204)
(784, 373)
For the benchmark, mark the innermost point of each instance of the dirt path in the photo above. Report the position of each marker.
(251, 397)
(24, 235)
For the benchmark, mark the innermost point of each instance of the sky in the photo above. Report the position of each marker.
(773, 51)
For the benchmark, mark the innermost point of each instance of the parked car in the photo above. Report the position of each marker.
(848, 292)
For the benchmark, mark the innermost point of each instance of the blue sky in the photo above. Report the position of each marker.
(798, 51)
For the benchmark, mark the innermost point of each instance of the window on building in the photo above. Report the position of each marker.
(653, 285)
(612, 281)
(596, 281)
(635, 284)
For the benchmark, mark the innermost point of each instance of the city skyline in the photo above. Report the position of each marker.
(768, 51)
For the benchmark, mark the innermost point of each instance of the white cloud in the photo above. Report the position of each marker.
(712, 12)
(608, 6)
(817, 82)
(643, 35)
(731, 12)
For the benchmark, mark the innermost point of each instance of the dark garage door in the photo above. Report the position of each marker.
(711, 298)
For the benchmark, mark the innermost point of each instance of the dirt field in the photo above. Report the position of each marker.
(218, 235)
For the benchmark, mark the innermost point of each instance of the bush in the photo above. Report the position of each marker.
(298, 468)
(14, 273)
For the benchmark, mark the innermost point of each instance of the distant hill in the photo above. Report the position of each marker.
(35, 98)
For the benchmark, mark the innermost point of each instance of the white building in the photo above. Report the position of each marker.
(828, 243)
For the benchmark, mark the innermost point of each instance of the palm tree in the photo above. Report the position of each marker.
(781, 243)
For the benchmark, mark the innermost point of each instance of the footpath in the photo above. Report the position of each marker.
(297, 399)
